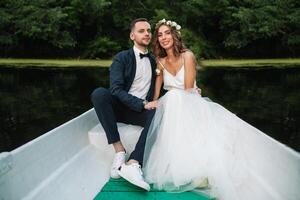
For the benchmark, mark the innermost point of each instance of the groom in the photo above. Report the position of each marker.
(132, 79)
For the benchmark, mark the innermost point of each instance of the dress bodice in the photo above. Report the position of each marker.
(174, 81)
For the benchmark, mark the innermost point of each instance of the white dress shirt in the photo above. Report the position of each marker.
(143, 74)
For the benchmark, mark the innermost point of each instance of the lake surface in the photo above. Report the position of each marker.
(34, 101)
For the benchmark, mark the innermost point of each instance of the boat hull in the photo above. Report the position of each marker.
(71, 161)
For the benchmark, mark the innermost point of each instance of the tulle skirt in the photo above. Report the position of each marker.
(192, 139)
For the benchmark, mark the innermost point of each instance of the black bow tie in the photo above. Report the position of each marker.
(144, 55)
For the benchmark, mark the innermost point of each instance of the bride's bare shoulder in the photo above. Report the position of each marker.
(160, 62)
(188, 55)
(189, 58)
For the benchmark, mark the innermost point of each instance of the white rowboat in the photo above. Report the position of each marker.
(71, 161)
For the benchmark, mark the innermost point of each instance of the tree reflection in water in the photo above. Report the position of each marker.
(34, 101)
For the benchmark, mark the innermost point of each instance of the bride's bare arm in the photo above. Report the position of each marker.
(190, 69)
(158, 82)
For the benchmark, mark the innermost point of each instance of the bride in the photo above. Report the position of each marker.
(192, 140)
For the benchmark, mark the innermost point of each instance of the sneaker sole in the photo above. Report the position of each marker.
(115, 177)
(147, 188)
(115, 174)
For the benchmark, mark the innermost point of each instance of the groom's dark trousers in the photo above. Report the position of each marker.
(117, 105)
(110, 111)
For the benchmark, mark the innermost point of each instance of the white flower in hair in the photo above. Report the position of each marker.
(173, 24)
(169, 23)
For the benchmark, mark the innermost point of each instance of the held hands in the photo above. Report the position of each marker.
(194, 90)
(151, 105)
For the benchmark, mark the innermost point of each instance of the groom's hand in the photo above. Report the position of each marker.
(151, 105)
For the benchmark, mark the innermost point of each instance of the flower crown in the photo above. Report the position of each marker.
(169, 23)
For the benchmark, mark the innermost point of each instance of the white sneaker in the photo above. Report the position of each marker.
(133, 174)
(119, 160)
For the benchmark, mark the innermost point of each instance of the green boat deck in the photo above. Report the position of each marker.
(116, 189)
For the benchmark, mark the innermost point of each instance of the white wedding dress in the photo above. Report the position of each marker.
(192, 139)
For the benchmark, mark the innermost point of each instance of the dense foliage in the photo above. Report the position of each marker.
(100, 28)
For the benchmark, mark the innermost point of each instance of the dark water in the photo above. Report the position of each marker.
(34, 101)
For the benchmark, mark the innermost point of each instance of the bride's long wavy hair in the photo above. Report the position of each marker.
(178, 45)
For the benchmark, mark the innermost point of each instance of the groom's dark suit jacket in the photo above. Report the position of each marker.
(122, 73)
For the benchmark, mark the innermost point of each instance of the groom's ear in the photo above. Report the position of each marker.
(131, 35)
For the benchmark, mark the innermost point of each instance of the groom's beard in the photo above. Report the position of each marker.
(144, 43)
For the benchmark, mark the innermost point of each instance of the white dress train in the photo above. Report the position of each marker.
(191, 139)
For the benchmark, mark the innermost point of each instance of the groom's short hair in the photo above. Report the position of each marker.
(133, 22)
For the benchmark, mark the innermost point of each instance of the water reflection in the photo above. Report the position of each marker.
(34, 101)
(266, 98)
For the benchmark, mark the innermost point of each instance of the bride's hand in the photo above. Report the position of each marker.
(194, 90)
(151, 105)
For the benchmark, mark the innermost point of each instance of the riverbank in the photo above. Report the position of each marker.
(249, 63)
(65, 63)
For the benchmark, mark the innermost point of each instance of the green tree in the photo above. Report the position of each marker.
(42, 25)
(100, 28)
(270, 25)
